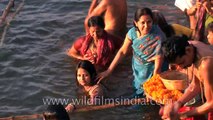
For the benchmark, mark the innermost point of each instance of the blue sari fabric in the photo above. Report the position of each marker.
(144, 48)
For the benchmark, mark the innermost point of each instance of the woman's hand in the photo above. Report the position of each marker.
(68, 52)
(90, 58)
(70, 108)
(103, 75)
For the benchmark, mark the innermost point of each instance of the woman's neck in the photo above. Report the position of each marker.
(94, 42)
(87, 88)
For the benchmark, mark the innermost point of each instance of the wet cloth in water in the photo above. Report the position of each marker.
(144, 49)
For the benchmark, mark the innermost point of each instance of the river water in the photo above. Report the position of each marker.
(34, 66)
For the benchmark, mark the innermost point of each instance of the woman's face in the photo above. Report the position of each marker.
(83, 77)
(144, 24)
(96, 31)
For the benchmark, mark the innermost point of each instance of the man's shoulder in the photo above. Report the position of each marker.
(206, 63)
(113, 2)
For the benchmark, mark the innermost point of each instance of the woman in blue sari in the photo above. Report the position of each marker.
(145, 39)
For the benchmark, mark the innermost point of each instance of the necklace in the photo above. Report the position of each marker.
(93, 49)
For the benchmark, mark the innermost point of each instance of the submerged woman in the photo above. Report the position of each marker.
(86, 78)
(145, 40)
(98, 46)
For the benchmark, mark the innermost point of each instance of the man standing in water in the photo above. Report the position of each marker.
(114, 13)
(197, 57)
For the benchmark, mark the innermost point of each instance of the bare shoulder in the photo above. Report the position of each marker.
(207, 63)
(106, 2)
(97, 90)
(113, 2)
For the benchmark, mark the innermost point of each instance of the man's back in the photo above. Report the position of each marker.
(203, 49)
(116, 17)
(114, 13)
(203, 52)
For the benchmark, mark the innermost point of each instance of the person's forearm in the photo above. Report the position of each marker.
(75, 55)
(158, 65)
(92, 6)
(86, 25)
(119, 56)
(189, 93)
(203, 109)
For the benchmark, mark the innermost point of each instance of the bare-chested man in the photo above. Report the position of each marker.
(197, 57)
(114, 13)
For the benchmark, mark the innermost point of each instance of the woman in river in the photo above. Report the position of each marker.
(145, 39)
(97, 47)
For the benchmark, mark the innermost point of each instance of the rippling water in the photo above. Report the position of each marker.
(33, 63)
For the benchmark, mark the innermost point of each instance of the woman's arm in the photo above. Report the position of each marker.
(119, 56)
(158, 64)
(121, 53)
(72, 52)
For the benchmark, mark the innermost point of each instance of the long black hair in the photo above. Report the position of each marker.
(96, 21)
(160, 20)
(90, 68)
(140, 12)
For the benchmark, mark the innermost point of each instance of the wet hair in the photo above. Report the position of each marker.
(90, 68)
(55, 112)
(174, 47)
(96, 21)
(210, 27)
(160, 20)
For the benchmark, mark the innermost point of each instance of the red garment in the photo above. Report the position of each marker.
(210, 116)
(200, 27)
(198, 117)
(105, 48)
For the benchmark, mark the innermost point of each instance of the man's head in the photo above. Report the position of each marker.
(177, 50)
(55, 112)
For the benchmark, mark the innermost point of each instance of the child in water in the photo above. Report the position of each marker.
(86, 78)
